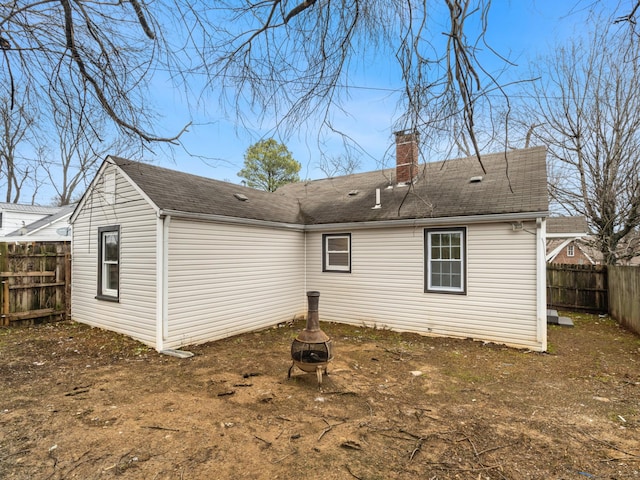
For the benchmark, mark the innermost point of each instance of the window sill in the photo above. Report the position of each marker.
(446, 292)
(108, 298)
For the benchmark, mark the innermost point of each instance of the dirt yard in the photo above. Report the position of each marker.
(77, 402)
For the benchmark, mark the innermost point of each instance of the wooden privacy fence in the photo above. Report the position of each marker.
(624, 296)
(577, 287)
(36, 282)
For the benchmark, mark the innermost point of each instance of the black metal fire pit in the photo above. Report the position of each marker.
(311, 350)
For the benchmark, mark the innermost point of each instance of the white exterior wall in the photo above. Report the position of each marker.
(386, 285)
(225, 279)
(12, 221)
(51, 230)
(134, 314)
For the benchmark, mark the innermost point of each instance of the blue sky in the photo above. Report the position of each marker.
(518, 29)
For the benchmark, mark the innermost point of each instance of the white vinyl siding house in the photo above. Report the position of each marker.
(226, 279)
(33, 223)
(199, 259)
(134, 311)
(386, 285)
(181, 280)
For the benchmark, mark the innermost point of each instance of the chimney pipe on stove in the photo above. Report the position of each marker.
(312, 332)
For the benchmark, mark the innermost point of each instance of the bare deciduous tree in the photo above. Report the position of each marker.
(288, 60)
(71, 163)
(588, 115)
(15, 170)
(338, 165)
(82, 54)
(294, 57)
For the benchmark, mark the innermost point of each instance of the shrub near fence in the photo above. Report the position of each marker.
(577, 287)
(36, 279)
(624, 296)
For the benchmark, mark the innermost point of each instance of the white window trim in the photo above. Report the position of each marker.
(326, 265)
(462, 231)
(571, 252)
(103, 291)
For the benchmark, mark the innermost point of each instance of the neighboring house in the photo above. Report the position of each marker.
(563, 240)
(569, 242)
(50, 228)
(444, 249)
(628, 251)
(14, 216)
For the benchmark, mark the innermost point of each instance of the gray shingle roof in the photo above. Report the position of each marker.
(515, 182)
(576, 224)
(16, 207)
(183, 192)
(66, 210)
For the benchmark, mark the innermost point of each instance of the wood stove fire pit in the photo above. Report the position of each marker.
(311, 349)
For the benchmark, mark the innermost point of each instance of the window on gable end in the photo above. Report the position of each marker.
(570, 251)
(336, 250)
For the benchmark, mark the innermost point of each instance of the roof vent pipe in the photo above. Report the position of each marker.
(377, 205)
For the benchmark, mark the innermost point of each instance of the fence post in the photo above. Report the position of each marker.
(5, 302)
(67, 284)
(4, 297)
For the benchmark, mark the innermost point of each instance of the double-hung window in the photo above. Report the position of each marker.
(109, 263)
(570, 251)
(336, 252)
(445, 254)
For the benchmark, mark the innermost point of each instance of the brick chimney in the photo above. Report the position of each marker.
(407, 156)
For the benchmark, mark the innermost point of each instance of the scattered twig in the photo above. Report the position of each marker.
(243, 384)
(350, 444)
(417, 437)
(268, 443)
(396, 437)
(416, 449)
(491, 449)
(157, 427)
(466, 437)
(609, 445)
(76, 392)
(621, 459)
(329, 427)
(480, 469)
(224, 394)
(293, 452)
(20, 452)
(351, 473)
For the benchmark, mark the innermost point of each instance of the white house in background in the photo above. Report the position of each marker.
(14, 216)
(442, 248)
(54, 227)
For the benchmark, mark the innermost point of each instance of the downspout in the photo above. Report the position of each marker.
(541, 282)
(305, 261)
(162, 313)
